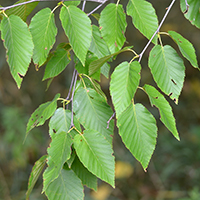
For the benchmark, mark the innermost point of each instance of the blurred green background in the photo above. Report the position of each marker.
(174, 171)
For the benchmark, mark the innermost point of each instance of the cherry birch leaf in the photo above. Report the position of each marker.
(166, 114)
(185, 47)
(168, 70)
(78, 31)
(138, 130)
(66, 187)
(144, 17)
(193, 14)
(56, 64)
(44, 31)
(93, 112)
(42, 113)
(19, 46)
(35, 173)
(61, 122)
(22, 11)
(124, 82)
(95, 152)
(113, 26)
(75, 3)
(86, 177)
(60, 149)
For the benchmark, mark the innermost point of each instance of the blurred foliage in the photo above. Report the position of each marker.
(174, 171)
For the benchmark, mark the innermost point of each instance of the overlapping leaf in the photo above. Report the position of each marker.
(18, 42)
(100, 49)
(78, 31)
(93, 112)
(86, 176)
(22, 11)
(113, 26)
(42, 113)
(97, 64)
(166, 114)
(57, 63)
(185, 47)
(66, 187)
(61, 121)
(60, 149)
(124, 82)
(168, 70)
(138, 130)
(35, 173)
(95, 152)
(43, 30)
(144, 17)
(193, 14)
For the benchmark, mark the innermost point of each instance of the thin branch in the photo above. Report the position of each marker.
(161, 23)
(96, 8)
(31, 1)
(83, 7)
(187, 7)
(72, 99)
(108, 122)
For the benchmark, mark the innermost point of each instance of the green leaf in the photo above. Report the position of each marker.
(168, 70)
(138, 130)
(35, 173)
(100, 49)
(78, 31)
(113, 26)
(60, 149)
(66, 187)
(143, 17)
(56, 64)
(124, 82)
(61, 121)
(93, 112)
(22, 11)
(193, 14)
(97, 64)
(166, 114)
(18, 43)
(185, 47)
(42, 113)
(86, 177)
(95, 152)
(43, 30)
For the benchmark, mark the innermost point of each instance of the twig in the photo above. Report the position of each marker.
(70, 89)
(72, 99)
(83, 6)
(108, 122)
(96, 8)
(161, 23)
(31, 1)
(187, 7)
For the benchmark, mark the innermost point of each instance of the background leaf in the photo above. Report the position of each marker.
(168, 70)
(138, 130)
(185, 47)
(57, 63)
(35, 173)
(22, 11)
(66, 187)
(95, 152)
(97, 64)
(193, 14)
(42, 113)
(86, 176)
(18, 43)
(124, 82)
(44, 31)
(113, 26)
(144, 17)
(93, 112)
(78, 31)
(166, 115)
